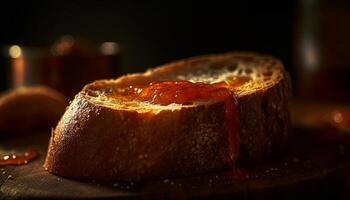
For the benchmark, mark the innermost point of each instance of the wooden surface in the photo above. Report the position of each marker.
(307, 168)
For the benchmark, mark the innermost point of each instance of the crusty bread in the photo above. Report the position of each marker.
(29, 109)
(104, 137)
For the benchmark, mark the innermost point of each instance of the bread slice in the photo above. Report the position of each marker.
(29, 109)
(105, 136)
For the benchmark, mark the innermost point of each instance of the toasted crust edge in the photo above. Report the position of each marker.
(264, 117)
(190, 141)
(264, 121)
(263, 114)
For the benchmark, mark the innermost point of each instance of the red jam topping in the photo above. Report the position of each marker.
(180, 91)
(186, 92)
(15, 159)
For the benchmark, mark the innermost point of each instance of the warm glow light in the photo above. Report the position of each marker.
(310, 53)
(15, 51)
(337, 116)
(109, 48)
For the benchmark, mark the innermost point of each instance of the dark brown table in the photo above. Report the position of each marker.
(308, 168)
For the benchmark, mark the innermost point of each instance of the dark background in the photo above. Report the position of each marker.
(152, 33)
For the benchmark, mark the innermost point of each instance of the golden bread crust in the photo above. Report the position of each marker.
(96, 140)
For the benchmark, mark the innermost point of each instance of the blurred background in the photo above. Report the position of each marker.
(57, 42)
(67, 44)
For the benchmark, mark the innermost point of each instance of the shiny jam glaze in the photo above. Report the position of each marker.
(16, 159)
(185, 93)
(179, 91)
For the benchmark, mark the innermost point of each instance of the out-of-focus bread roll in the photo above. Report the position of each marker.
(28, 109)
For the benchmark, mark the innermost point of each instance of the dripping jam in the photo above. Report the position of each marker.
(186, 93)
(19, 159)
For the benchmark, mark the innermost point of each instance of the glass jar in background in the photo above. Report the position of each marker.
(25, 65)
(322, 50)
(67, 66)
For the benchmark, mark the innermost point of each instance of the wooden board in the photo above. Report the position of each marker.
(307, 167)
